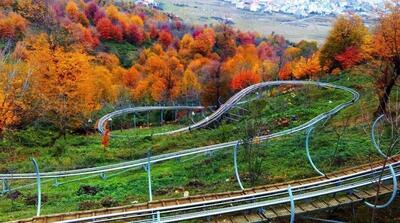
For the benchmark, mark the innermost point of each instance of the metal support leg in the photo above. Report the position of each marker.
(148, 119)
(6, 186)
(103, 176)
(148, 169)
(236, 166)
(176, 115)
(158, 217)
(376, 145)
(134, 120)
(161, 117)
(292, 209)
(394, 193)
(39, 190)
(309, 131)
(56, 183)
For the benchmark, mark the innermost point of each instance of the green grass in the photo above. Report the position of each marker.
(125, 51)
(283, 158)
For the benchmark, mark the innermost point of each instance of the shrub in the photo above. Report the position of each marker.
(58, 149)
(32, 199)
(108, 202)
(14, 195)
(32, 137)
(88, 190)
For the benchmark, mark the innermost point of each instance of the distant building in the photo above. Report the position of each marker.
(304, 8)
(148, 3)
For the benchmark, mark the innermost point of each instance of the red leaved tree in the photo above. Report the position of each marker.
(135, 34)
(165, 38)
(108, 31)
(244, 79)
(350, 57)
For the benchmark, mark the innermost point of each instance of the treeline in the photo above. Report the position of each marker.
(57, 65)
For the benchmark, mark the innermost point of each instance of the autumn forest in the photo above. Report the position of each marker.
(63, 70)
(64, 63)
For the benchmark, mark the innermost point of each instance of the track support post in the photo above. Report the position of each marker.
(148, 119)
(161, 117)
(292, 208)
(158, 217)
(134, 120)
(309, 131)
(103, 176)
(235, 148)
(6, 186)
(39, 190)
(56, 183)
(373, 138)
(148, 169)
(392, 197)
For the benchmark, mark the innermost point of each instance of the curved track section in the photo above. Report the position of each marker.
(349, 181)
(231, 103)
(103, 120)
(228, 105)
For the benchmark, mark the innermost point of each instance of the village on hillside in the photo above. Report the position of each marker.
(304, 8)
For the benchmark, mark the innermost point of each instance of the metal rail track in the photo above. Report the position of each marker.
(234, 100)
(258, 197)
(282, 212)
(230, 203)
(103, 120)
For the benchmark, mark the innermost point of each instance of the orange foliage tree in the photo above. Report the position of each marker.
(162, 74)
(131, 77)
(14, 91)
(72, 86)
(12, 26)
(245, 59)
(190, 85)
(387, 47)
(244, 79)
(83, 36)
(307, 67)
(348, 32)
(286, 71)
(72, 10)
(204, 42)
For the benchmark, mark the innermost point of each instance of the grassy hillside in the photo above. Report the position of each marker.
(341, 142)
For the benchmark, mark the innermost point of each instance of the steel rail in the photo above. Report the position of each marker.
(332, 188)
(209, 119)
(392, 197)
(283, 191)
(310, 160)
(103, 120)
(228, 210)
(373, 137)
(252, 198)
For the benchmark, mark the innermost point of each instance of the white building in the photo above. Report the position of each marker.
(304, 8)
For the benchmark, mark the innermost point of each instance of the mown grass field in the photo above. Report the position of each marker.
(343, 141)
(294, 29)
